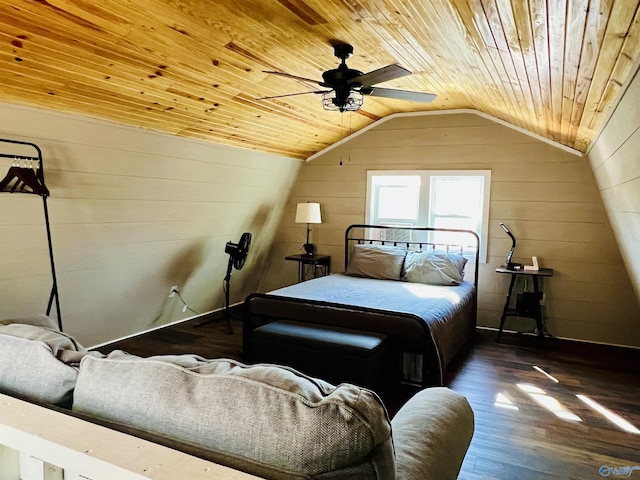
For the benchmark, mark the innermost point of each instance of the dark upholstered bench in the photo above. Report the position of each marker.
(331, 353)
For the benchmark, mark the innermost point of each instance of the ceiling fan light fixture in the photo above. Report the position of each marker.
(348, 86)
(352, 103)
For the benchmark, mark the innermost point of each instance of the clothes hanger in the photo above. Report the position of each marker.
(10, 176)
(23, 177)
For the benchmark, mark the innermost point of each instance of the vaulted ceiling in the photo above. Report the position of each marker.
(194, 68)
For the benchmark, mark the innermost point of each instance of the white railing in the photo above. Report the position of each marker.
(37, 443)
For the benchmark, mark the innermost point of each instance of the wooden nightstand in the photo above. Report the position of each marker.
(311, 266)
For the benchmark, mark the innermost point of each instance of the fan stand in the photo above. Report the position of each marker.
(227, 308)
(237, 255)
(227, 288)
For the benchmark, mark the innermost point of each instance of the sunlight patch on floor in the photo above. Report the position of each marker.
(549, 376)
(609, 415)
(548, 402)
(503, 402)
(542, 398)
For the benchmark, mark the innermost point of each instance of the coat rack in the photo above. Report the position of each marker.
(27, 179)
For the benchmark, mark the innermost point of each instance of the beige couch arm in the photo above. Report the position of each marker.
(431, 435)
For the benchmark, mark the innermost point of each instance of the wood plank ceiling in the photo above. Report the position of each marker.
(195, 67)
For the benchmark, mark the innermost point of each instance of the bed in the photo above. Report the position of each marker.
(417, 285)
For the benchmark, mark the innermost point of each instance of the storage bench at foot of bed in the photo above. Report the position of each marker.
(331, 353)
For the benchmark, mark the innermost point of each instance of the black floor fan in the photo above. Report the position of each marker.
(237, 255)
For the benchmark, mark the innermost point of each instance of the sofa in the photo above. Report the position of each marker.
(267, 420)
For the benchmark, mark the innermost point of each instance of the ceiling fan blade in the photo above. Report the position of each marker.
(398, 94)
(380, 75)
(292, 94)
(282, 74)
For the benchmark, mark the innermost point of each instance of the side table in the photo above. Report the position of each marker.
(319, 264)
(529, 309)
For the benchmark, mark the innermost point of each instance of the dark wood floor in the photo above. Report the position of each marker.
(525, 441)
(531, 442)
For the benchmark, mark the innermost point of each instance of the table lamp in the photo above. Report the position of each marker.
(509, 265)
(308, 213)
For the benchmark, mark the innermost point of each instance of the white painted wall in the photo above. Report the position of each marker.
(133, 212)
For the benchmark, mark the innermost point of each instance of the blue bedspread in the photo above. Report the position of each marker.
(447, 310)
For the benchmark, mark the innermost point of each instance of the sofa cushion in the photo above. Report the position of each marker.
(38, 320)
(269, 421)
(37, 361)
(432, 432)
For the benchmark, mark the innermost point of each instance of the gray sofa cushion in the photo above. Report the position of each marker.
(37, 361)
(432, 433)
(37, 320)
(269, 421)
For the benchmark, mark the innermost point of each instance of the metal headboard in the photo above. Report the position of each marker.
(464, 242)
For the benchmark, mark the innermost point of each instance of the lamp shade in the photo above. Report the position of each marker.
(308, 213)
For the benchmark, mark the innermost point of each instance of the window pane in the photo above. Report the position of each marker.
(396, 198)
(398, 202)
(455, 199)
(459, 223)
(456, 196)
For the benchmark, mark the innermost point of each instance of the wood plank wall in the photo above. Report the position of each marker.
(547, 196)
(616, 164)
(133, 212)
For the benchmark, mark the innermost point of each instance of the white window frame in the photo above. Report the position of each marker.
(425, 196)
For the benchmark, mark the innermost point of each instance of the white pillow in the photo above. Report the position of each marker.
(434, 268)
(383, 262)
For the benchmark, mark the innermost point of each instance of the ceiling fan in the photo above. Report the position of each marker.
(346, 86)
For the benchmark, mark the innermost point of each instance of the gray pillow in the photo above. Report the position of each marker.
(38, 363)
(434, 268)
(269, 421)
(383, 262)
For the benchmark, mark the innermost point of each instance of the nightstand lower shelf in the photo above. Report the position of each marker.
(529, 303)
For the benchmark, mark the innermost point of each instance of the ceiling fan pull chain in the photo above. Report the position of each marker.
(341, 136)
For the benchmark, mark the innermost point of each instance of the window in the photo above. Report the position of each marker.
(433, 198)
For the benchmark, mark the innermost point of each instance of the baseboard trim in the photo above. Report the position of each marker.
(574, 341)
(159, 327)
